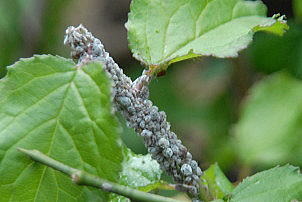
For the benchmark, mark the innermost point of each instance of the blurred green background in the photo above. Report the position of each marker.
(244, 113)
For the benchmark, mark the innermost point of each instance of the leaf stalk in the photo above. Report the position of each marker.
(83, 178)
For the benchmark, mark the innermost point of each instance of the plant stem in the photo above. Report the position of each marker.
(83, 178)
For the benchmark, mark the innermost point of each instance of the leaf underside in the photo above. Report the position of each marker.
(163, 32)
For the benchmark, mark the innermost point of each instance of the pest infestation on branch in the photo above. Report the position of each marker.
(131, 99)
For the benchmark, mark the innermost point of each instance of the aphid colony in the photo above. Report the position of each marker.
(131, 99)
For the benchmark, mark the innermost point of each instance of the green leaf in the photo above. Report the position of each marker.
(63, 110)
(141, 172)
(270, 125)
(278, 184)
(163, 32)
(218, 186)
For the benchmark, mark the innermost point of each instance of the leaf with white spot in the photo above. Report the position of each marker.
(141, 172)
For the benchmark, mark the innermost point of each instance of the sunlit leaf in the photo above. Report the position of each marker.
(163, 32)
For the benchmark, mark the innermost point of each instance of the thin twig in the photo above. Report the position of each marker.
(83, 178)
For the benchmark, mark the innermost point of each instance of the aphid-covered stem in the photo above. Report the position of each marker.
(131, 99)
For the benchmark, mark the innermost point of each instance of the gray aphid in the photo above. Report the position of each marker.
(186, 169)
